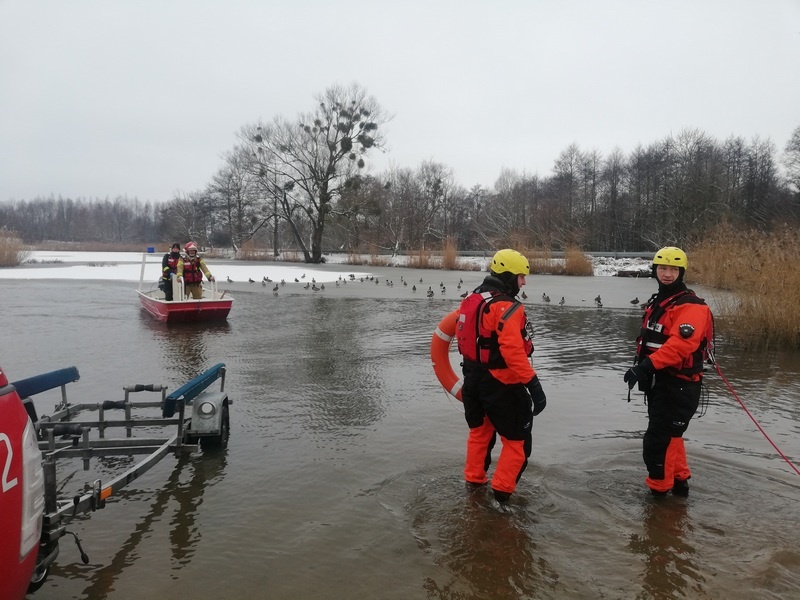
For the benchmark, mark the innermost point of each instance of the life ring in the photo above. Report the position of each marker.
(440, 355)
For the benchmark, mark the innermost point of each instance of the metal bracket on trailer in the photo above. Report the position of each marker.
(190, 390)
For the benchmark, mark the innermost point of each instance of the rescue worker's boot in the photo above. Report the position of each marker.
(680, 488)
(501, 497)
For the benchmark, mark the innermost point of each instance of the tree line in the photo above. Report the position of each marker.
(303, 185)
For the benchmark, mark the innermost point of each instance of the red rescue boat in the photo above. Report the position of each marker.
(213, 306)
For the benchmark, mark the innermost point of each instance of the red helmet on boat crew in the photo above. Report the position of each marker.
(189, 247)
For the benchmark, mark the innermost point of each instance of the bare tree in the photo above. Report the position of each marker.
(319, 153)
(613, 173)
(234, 193)
(435, 190)
(567, 178)
(190, 217)
(791, 160)
(361, 213)
(399, 219)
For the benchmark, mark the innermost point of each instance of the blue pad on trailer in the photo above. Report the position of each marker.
(46, 381)
(192, 389)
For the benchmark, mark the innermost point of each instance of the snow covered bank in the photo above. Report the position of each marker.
(127, 266)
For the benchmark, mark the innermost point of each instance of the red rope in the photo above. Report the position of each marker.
(752, 418)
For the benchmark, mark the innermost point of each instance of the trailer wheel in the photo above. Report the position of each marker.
(38, 578)
(221, 439)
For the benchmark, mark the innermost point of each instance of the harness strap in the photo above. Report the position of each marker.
(507, 314)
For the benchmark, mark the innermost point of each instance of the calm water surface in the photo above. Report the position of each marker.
(343, 474)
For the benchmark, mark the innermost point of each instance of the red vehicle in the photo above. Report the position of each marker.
(21, 495)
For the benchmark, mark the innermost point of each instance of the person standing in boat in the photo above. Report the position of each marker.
(169, 267)
(191, 270)
(501, 390)
(672, 346)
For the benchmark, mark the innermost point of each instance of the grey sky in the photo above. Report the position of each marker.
(142, 97)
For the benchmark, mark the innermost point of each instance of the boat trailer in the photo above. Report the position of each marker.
(61, 435)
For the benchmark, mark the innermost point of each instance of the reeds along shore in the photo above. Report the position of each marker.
(762, 270)
(12, 251)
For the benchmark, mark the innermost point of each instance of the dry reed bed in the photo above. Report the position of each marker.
(12, 251)
(763, 272)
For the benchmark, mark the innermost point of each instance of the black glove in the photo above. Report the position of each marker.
(638, 373)
(537, 395)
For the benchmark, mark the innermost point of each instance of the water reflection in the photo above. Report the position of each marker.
(489, 553)
(186, 348)
(669, 561)
(186, 485)
(570, 339)
(335, 340)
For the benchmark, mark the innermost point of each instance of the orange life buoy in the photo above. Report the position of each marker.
(440, 355)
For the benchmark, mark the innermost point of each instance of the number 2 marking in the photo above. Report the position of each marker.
(7, 485)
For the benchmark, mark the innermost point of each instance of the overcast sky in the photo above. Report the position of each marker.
(142, 97)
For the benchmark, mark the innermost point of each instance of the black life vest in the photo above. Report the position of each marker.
(478, 344)
(652, 336)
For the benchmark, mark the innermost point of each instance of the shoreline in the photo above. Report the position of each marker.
(93, 265)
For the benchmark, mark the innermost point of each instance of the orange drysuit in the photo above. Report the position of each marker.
(497, 399)
(673, 339)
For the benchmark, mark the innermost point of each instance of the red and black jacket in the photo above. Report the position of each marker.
(675, 335)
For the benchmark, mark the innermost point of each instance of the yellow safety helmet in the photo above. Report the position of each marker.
(671, 256)
(510, 261)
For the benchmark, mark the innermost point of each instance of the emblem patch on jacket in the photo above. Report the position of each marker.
(686, 330)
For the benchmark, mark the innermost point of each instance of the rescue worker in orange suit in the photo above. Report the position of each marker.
(169, 267)
(669, 370)
(191, 270)
(501, 391)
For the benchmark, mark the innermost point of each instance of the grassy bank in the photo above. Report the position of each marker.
(763, 273)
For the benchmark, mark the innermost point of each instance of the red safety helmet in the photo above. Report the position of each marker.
(189, 247)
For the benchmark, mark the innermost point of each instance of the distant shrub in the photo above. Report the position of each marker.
(248, 251)
(380, 261)
(577, 263)
(542, 263)
(470, 266)
(450, 254)
(355, 259)
(421, 259)
(12, 252)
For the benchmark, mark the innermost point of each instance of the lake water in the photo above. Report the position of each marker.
(342, 478)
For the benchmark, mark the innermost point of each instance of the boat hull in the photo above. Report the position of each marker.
(182, 311)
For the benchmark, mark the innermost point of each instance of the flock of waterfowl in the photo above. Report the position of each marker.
(414, 287)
